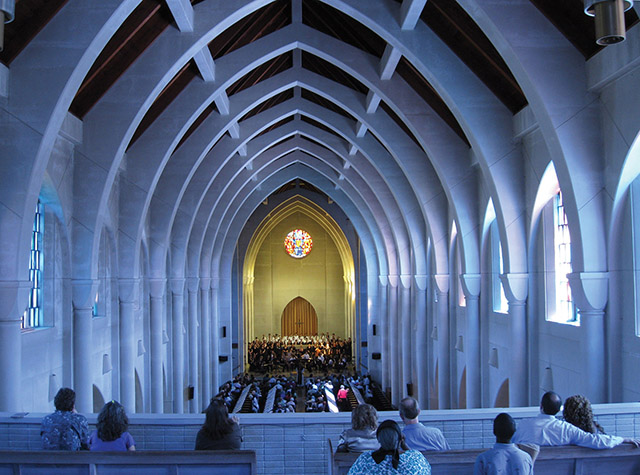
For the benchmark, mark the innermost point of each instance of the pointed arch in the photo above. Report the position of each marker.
(298, 204)
(299, 318)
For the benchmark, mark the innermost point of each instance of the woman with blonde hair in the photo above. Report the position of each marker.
(362, 435)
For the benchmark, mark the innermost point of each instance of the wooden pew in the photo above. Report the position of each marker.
(567, 460)
(192, 462)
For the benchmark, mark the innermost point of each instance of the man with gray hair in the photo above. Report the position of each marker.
(416, 435)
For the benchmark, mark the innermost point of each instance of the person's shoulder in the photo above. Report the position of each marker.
(79, 417)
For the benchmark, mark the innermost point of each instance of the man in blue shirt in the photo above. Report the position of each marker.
(417, 436)
(504, 457)
(65, 429)
(547, 430)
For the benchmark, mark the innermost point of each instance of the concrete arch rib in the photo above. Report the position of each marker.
(361, 199)
(330, 119)
(369, 204)
(109, 126)
(486, 122)
(247, 200)
(227, 146)
(60, 59)
(289, 167)
(153, 140)
(565, 111)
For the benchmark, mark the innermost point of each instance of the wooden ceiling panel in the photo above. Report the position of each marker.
(264, 71)
(166, 97)
(138, 31)
(330, 21)
(31, 16)
(319, 125)
(280, 123)
(196, 123)
(330, 71)
(269, 103)
(327, 104)
(569, 18)
(412, 76)
(260, 23)
(466, 39)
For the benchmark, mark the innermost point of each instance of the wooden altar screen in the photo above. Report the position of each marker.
(299, 318)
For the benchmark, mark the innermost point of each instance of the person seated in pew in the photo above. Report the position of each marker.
(547, 430)
(219, 431)
(418, 436)
(577, 411)
(504, 457)
(65, 429)
(393, 456)
(362, 435)
(111, 434)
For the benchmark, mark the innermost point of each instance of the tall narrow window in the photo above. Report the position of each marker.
(565, 309)
(32, 316)
(500, 303)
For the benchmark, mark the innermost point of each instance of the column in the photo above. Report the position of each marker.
(13, 300)
(471, 289)
(441, 282)
(421, 349)
(405, 348)
(383, 300)
(205, 340)
(177, 330)
(127, 295)
(393, 340)
(83, 298)
(215, 331)
(156, 291)
(516, 290)
(590, 294)
(193, 287)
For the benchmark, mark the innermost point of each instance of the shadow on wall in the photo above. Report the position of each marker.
(502, 399)
(98, 400)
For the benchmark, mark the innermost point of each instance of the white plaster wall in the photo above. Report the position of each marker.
(318, 278)
(625, 309)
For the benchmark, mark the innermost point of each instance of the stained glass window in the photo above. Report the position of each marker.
(565, 310)
(33, 314)
(298, 243)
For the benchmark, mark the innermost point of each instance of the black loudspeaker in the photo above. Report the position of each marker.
(363, 344)
(410, 389)
(224, 332)
(376, 356)
(223, 358)
(375, 327)
(190, 393)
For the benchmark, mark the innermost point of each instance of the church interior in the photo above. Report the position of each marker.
(450, 186)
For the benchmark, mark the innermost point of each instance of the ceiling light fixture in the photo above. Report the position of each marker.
(7, 13)
(609, 18)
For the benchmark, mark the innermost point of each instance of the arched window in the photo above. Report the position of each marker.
(560, 306)
(500, 303)
(32, 317)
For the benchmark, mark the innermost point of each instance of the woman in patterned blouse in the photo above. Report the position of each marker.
(393, 457)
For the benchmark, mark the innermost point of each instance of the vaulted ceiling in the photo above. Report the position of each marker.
(331, 86)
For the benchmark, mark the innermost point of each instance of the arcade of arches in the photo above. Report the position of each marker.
(467, 171)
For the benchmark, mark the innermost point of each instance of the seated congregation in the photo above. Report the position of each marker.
(369, 448)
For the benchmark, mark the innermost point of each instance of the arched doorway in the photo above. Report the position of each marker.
(299, 318)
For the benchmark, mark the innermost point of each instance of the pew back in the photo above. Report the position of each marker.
(568, 460)
(221, 462)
